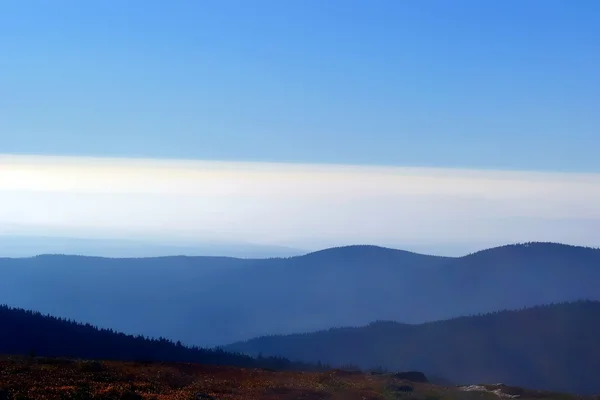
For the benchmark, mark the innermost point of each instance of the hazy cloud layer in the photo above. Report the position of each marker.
(307, 206)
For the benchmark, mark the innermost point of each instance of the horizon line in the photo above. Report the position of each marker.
(509, 244)
(203, 162)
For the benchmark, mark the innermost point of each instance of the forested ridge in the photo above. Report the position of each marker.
(554, 347)
(32, 333)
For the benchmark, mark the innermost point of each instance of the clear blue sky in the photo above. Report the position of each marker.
(479, 84)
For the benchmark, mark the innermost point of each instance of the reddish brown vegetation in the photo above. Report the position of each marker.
(63, 379)
(53, 379)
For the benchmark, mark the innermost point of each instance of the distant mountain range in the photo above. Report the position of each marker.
(211, 301)
(28, 246)
(554, 347)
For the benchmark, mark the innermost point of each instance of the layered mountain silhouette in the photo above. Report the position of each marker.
(554, 347)
(31, 333)
(211, 301)
(28, 246)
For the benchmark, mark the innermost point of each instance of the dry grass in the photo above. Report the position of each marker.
(65, 379)
(58, 379)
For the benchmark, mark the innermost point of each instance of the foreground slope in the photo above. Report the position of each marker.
(64, 379)
(554, 347)
(26, 332)
(215, 300)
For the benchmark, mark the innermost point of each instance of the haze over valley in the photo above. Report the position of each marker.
(210, 301)
(285, 200)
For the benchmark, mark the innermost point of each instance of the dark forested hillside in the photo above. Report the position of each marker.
(174, 297)
(31, 333)
(554, 347)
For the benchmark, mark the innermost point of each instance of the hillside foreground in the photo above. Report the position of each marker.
(23, 378)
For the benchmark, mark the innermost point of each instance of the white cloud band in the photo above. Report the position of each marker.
(297, 204)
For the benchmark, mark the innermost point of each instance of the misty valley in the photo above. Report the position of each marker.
(526, 314)
(299, 200)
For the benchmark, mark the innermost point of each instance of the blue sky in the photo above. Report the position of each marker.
(476, 109)
(471, 84)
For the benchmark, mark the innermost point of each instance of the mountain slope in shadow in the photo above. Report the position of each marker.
(554, 347)
(31, 333)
